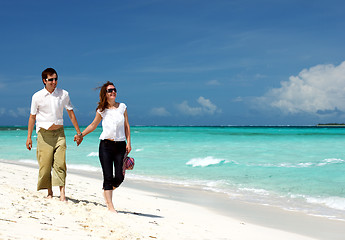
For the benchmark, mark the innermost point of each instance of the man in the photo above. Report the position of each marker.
(47, 111)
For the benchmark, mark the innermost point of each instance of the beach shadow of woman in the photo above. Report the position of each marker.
(76, 201)
(140, 214)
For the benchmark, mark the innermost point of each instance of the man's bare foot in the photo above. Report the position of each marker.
(50, 194)
(62, 194)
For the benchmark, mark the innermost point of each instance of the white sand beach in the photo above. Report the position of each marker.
(142, 214)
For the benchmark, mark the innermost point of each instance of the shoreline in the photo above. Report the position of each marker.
(24, 127)
(266, 218)
(317, 227)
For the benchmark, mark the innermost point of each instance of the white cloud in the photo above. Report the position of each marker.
(318, 89)
(159, 111)
(238, 99)
(206, 107)
(186, 109)
(213, 83)
(17, 112)
(23, 111)
(3, 81)
(259, 76)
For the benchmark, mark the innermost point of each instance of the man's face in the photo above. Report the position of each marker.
(51, 82)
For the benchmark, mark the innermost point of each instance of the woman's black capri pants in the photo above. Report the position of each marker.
(111, 155)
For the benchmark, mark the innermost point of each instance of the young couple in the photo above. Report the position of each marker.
(47, 111)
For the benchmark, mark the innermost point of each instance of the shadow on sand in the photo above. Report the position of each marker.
(76, 201)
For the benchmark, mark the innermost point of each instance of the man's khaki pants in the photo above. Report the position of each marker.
(51, 156)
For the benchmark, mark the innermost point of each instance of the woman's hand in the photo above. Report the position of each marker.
(78, 139)
(128, 148)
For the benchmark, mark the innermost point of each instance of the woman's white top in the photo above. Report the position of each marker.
(113, 123)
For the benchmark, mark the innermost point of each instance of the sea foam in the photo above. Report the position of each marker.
(93, 154)
(327, 161)
(331, 202)
(330, 161)
(29, 161)
(204, 162)
(83, 167)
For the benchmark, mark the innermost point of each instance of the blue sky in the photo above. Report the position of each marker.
(222, 62)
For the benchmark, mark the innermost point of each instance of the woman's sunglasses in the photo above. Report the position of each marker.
(110, 90)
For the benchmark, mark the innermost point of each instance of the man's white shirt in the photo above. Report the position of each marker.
(48, 107)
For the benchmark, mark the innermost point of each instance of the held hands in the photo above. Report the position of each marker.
(78, 139)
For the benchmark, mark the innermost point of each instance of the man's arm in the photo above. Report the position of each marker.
(31, 125)
(74, 120)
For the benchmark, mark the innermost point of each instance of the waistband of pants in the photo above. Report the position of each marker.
(61, 129)
(113, 141)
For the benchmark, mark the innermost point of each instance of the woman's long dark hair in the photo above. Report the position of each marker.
(103, 103)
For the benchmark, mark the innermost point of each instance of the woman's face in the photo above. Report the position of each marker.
(111, 93)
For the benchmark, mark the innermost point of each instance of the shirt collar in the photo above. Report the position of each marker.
(46, 92)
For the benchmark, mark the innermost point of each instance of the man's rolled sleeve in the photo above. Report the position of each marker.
(33, 109)
(67, 102)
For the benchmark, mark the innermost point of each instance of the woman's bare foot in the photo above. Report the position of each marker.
(112, 210)
(108, 197)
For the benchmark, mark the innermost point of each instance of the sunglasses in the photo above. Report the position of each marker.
(51, 79)
(110, 90)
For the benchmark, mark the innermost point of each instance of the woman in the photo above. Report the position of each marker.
(113, 146)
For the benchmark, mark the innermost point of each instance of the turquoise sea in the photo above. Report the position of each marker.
(294, 168)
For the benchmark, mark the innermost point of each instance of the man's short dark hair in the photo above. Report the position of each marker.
(48, 71)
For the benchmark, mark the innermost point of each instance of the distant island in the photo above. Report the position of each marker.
(331, 125)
